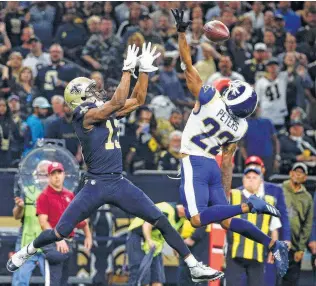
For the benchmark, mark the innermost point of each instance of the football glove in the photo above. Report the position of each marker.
(181, 25)
(131, 59)
(147, 58)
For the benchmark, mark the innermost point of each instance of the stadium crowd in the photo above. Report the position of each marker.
(44, 45)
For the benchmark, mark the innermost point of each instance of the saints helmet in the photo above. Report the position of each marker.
(80, 90)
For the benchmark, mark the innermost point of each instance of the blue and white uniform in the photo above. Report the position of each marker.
(204, 134)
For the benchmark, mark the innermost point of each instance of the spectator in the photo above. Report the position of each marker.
(215, 11)
(34, 122)
(62, 128)
(269, 25)
(308, 5)
(166, 126)
(271, 91)
(94, 25)
(108, 11)
(298, 81)
(292, 20)
(25, 210)
(245, 256)
(197, 33)
(306, 36)
(164, 9)
(54, 78)
(165, 30)
(8, 134)
(290, 46)
(103, 51)
(14, 66)
(146, 28)
(25, 48)
(5, 44)
(42, 19)
(256, 15)
(254, 68)
(58, 111)
(50, 206)
(144, 153)
(14, 22)
(133, 21)
(300, 208)
(228, 18)
(170, 83)
(137, 39)
(70, 35)
(225, 71)
(14, 107)
(207, 67)
(270, 41)
(98, 77)
(297, 147)
(25, 89)
(136, 250)
(162, 107)
(239, 50)
(312, 240)
(261, 140)
(37, 59)
(170, 159)
(122, 11)
(279, 31)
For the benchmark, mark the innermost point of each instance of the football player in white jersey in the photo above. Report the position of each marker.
(218, 122)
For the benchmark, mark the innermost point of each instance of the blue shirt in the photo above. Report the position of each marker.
(36, 128)
(171, 85)
(258, 139)
(292, 20)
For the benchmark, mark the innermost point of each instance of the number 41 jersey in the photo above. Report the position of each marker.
(100, 145)
(211, 127)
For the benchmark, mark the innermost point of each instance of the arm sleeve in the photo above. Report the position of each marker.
(306, 228)
(42, 205)
(81, 110)
(281, 206)
(206, 94)
(313, 234)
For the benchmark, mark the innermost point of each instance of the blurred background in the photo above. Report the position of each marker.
(44, 45)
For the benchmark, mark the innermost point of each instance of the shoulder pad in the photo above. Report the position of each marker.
(206, 94)
(82, 109)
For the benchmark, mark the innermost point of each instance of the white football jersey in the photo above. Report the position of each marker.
(207, 130)
(272, 98)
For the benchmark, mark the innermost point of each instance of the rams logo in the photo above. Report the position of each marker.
(76, 89)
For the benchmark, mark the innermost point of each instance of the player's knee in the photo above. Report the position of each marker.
(195, 221)
(59, 235)
(226, 223)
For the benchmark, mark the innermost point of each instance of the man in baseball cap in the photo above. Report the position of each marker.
(55, 166)
(276, 192)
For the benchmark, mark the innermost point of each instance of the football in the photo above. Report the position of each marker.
(216, 31)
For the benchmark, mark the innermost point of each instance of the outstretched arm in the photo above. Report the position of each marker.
(139, 93)
(137, 98)
(227, 166)
(193, 79)
(118, 100)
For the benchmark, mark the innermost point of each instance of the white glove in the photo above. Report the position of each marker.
(131, 59)
(147, 58)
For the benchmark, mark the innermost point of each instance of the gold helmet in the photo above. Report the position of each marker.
(80, 90)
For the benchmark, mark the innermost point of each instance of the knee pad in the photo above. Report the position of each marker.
(61, 237)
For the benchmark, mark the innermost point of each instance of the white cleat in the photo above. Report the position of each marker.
(201, 272)
(18, 259)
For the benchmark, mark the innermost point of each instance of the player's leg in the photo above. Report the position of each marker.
(247, 229)
(134, 201)
(90, 198)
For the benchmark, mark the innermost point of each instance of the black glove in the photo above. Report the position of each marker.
(181, 26)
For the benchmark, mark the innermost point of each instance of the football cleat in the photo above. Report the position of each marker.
(280, 253)
(259, 206)
(18, 259)
(201, 272)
